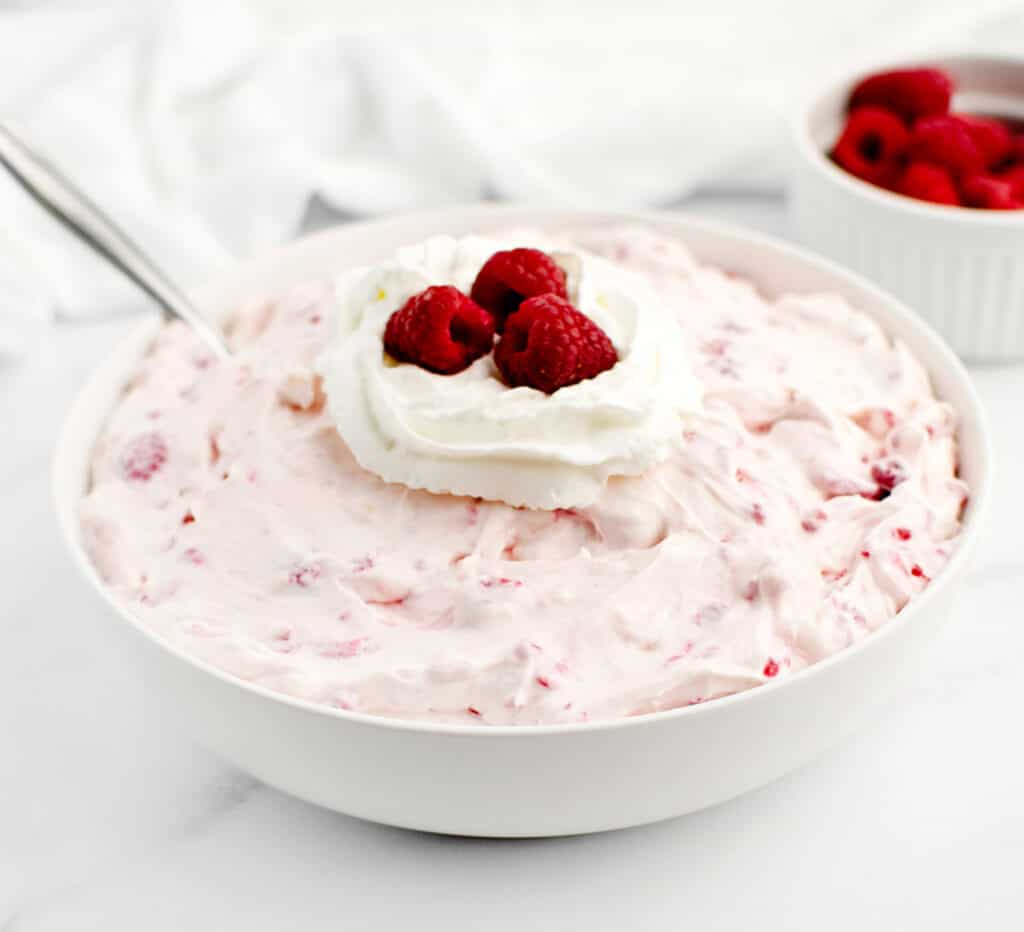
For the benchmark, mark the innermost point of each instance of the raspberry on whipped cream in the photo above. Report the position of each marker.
(440, 329)
(549, 345)
(808, 490)
(512, 276)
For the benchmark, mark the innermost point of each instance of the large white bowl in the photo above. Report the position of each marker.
(537, 780)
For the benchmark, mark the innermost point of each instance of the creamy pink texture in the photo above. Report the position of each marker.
(814, 495)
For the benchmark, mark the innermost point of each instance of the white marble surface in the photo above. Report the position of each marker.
(110, 820)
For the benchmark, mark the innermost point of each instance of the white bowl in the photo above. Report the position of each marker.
(961, 269)
(537, 780)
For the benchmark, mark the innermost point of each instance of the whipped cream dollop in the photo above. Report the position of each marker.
(470, 433)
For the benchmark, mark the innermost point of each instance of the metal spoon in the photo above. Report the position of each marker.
(91, 225)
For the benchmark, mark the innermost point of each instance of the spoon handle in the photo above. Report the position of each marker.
(91, 225)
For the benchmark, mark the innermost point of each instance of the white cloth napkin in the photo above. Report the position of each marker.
(205, 131)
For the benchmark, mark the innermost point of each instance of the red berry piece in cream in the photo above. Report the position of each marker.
(888, 474)
(143, 457)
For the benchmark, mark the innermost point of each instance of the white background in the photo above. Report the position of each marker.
(110, 820)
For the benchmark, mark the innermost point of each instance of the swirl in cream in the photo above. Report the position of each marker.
(469, 433)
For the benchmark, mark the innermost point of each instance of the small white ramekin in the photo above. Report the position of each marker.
(960, 269)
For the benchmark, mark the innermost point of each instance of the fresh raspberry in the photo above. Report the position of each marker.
(510, 277)
(439, 329)
(911, 93)
(143, 457)
(305, 574)
(990, 193)
(945, 141)
(548, 344)
(928, 182)
(871, 145)
(990, 135)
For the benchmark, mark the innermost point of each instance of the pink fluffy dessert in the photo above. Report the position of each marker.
(812, 495)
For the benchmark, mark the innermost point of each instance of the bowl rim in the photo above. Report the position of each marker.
(815, 157)
(681, 223)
